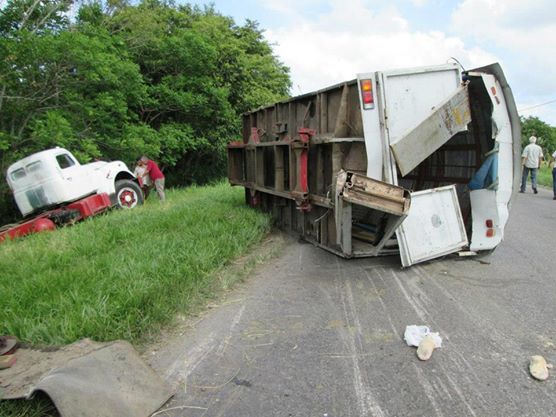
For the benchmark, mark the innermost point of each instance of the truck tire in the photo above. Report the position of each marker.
(128, 194)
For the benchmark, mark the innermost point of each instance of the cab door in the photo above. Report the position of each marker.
(76, 182)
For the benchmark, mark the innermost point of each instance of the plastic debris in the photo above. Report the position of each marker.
(539, 368)
(425, 340)
(415, 334)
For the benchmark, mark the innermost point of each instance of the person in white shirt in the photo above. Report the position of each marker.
(531, 161)
(144, 180)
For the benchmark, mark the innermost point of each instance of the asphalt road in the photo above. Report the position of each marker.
(311, 334)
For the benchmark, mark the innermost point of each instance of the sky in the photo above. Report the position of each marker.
(325, 42)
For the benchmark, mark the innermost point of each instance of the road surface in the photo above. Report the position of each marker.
(311, 334)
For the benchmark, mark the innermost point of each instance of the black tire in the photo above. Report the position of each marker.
(128, 194)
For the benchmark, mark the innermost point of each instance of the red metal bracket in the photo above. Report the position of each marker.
(300, 152)
(305, 134)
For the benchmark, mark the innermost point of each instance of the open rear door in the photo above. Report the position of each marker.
(418, 120)
(448, 118)
(433, 228)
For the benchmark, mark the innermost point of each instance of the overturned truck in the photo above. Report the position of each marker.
(422, 162)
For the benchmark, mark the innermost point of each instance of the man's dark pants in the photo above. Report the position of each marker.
(554, 180)
(526, 171)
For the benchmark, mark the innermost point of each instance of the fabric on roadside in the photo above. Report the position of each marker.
(88, 379)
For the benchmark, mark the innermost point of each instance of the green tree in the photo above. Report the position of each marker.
(122, 80)
(545, 133)
(202, 72)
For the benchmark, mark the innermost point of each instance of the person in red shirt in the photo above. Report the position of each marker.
(157, 177)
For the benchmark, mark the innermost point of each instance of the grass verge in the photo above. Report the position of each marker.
(124, 274)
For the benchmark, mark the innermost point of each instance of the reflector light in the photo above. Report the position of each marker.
(490, 232)
(489, 223)
(367, 94)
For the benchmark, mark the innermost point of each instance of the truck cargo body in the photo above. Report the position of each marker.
(423, 161)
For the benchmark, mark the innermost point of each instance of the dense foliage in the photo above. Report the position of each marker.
(545, 133)
(113, 80)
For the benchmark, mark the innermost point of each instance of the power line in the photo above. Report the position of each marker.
(537, 105)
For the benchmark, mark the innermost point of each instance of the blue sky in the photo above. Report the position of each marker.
(329, 41)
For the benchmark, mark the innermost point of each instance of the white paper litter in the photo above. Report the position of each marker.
(414, 335)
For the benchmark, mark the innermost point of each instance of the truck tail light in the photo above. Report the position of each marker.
(367, 94)
(489, 223)
(490, 233)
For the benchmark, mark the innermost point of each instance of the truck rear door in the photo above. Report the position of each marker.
(434, 226)
(490, 205)
(423, 109)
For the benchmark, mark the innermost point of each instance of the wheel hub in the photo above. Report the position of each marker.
(127, 198)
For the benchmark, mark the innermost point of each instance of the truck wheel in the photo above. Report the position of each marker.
(128, 194)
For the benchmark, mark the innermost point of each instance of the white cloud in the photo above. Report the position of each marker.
(419, 3)
(352, 37)
(524, 32)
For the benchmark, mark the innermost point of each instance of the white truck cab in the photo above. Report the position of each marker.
(54, 177)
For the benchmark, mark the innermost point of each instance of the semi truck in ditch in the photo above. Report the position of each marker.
(51, 188)
(423, 162)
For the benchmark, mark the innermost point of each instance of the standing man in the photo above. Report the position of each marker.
(157, 177)
(531, 161)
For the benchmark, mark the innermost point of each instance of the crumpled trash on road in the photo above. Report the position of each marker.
(539, 368)
(425, 340)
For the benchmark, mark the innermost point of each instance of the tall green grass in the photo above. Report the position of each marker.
(37, 407)
(544, 176)
(123, 274)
